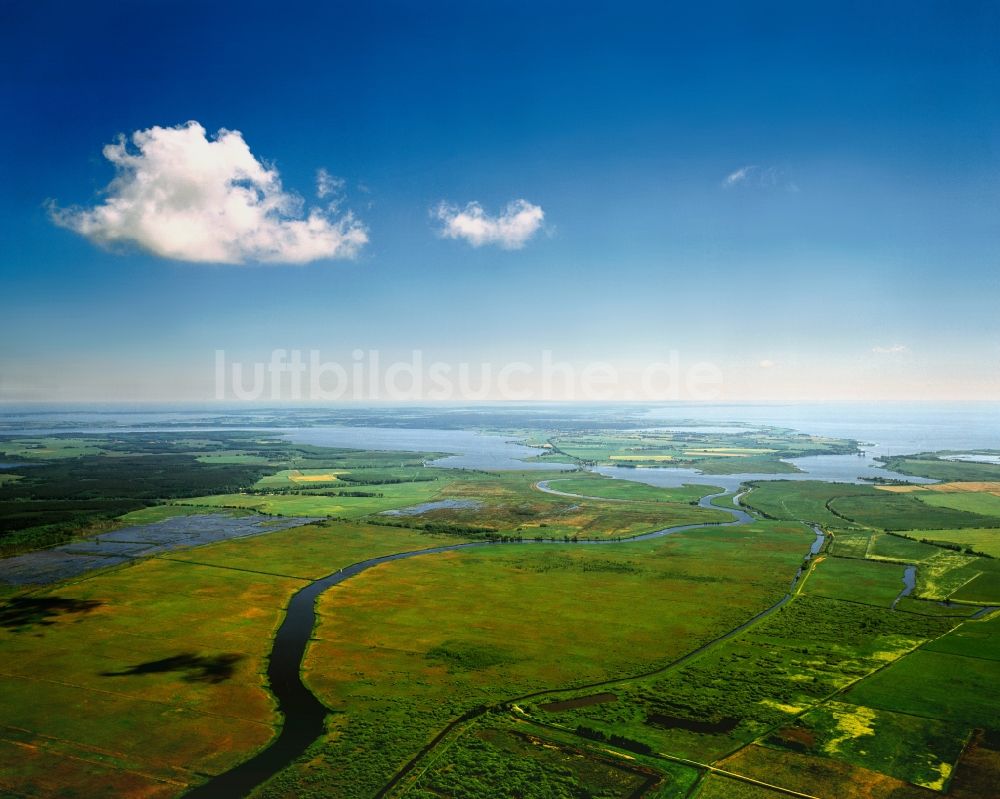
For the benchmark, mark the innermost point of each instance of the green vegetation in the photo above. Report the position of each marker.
(505, 761)
(549, 670)
(845, 505)
(935, 685)
(981, 503)
(126, 682)
(77, 485)
(596, 486)
(893, 546)
(867, 581)
(760, 451)
(937, 468)
(917, 750)
(558, 616)
(762, 679)
(983, 540)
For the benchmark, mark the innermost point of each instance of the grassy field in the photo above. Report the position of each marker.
(936, 468)
(916, 750)
(935, 685)
(515, 759)
(96, 696)
(760, 680)
(758, 451)
(498, 504)
(867, 581)
(596, 486)
(805, 500)
(317, 504)
(840, 505)
(141, 681)
(898, 548)
(557, 617)
(981, 503)
(980, 640)
(982, 539)
(806, 773)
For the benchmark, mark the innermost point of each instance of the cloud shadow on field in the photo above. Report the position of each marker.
(25, 613)
(195, 668)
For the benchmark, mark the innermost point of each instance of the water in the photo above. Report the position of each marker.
(967, 458)
(895, 428)
(76, 558)
(427, 507)
(830, 468)
(884, 428)
(909, 583)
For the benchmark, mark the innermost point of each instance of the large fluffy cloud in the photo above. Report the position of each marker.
(511, 229)
(181, 195)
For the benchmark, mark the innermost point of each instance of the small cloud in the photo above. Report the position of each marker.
(739, 176)
(328, 185)
(179, 194)
(767, 364)
(894, 349)
(768, 177)
(511, 229)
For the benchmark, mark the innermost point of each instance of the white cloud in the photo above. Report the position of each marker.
(328, 185)
(895, 349)
(511, 230)
(760, 176)
(179, 194)
(767, 364)
(739, 176)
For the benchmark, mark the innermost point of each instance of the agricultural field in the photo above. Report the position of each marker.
(868, 581)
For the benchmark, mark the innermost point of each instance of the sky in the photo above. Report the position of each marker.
(800, 200)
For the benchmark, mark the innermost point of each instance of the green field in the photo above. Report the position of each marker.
(589, 611)
(624, 489)
(760, 451)
(866, 581)
(840, 505)
(913, 749)
(980, 639)
(930, 465)
(935, 685)
(984, 539)
(101, 699)
(984, 504)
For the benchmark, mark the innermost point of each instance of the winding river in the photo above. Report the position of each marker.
(304, 715)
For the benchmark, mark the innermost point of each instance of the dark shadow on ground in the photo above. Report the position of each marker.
(196, 668)
(24, 613)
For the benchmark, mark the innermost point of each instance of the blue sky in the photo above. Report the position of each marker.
(855, 254)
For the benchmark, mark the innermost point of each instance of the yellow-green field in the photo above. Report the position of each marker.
(135, 682)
